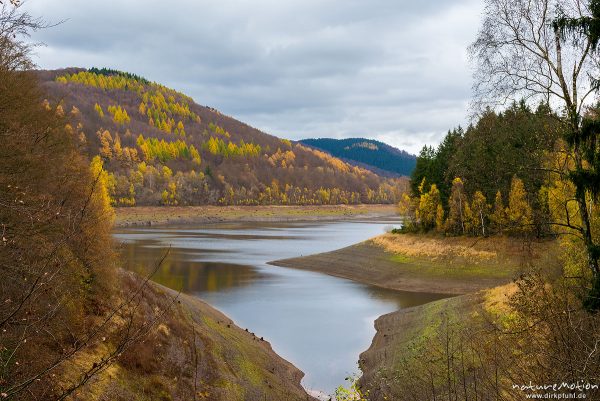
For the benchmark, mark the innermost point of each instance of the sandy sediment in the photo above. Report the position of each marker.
(163, 215)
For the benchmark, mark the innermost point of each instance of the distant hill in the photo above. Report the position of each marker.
(368, 153)
(161, 148)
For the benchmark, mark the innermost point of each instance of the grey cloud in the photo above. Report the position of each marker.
(391, 70)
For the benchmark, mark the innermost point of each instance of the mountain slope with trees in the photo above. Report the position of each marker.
(73, 326)
(161, 148)
(374, 155)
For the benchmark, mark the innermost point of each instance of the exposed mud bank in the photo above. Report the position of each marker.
(147, 215)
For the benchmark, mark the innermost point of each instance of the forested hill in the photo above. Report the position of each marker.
(161, 148)
(373, 155)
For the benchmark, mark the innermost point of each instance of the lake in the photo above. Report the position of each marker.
(319, 323)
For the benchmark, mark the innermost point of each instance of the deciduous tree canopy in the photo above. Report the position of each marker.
(142, 127)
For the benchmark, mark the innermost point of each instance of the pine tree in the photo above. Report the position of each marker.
(423, 169)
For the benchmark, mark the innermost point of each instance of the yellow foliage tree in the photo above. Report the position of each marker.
(102, 185)
(117, 148)
(498, 217)
(519, 213)
(480, 210)
(439, 218)
(195, 155)
(458, 202)
(180, 128)
(119, 114)
(407, 208)
(99, 110)
(166, 172)
(169, 195)
(106, 143)
(468, 218)
(428, 207)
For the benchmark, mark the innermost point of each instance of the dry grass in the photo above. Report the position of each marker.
(496, 250)
(497, 298)
(434, 248)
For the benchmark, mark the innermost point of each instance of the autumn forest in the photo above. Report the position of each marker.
(160, 148)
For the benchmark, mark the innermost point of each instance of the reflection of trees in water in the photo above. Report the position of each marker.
(180, 272)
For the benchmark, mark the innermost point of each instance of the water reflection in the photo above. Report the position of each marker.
(184, 270)
(318, 322)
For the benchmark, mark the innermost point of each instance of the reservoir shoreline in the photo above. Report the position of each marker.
(414, 263)
(225, 264)
(478, 272)
(185, 215)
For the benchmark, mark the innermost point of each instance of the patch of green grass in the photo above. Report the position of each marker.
(235, 392)
(422, 330)
(249, 370)
(215, 346)
(400, 258)
(454, 270)
(244, 357)
(479, 271)
(417, 333)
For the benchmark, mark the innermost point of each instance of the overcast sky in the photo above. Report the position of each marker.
(392, 70)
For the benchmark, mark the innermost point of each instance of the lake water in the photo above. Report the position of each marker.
(319, 323)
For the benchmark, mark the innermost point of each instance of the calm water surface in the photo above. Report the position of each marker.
(318, 322)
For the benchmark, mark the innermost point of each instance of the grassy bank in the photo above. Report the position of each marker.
(410, 262)
(410, 351)
(193, 352)
(146, 215)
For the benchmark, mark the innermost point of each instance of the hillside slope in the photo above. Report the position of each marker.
(161, 148)
(373, 155)
(194, 352)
